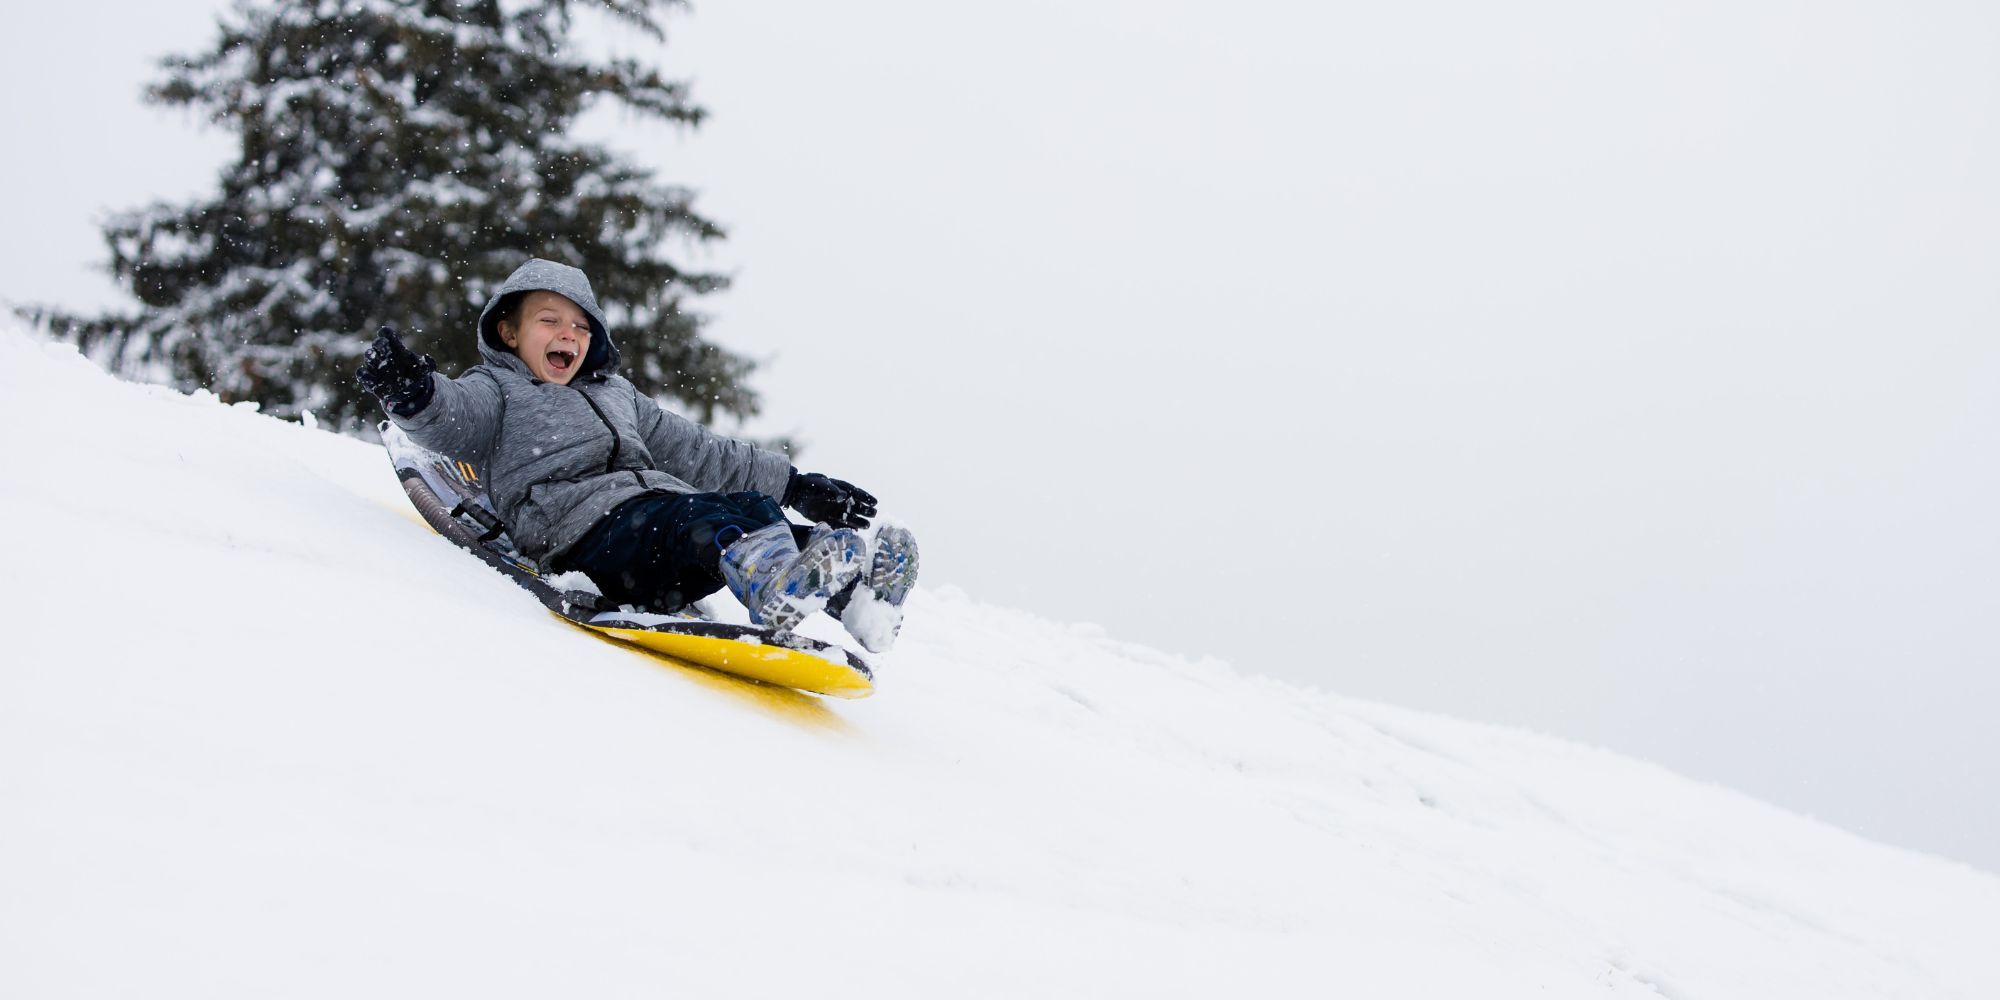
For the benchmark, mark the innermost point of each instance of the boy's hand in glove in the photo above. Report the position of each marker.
(398, 376)
(833, 501)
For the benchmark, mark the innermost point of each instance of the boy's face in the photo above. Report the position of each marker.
(551, 338)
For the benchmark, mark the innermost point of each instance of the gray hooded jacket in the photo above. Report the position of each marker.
(557, 458)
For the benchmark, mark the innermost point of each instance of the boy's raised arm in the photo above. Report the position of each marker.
(457, 417)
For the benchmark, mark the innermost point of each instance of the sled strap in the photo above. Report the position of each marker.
(486, 518)
(584, 601)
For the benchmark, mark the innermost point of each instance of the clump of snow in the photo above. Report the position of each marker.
(871, 620)
(262, 733)
(573, 582)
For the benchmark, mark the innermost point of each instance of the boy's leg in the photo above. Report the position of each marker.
(660, 552)
(783, 573)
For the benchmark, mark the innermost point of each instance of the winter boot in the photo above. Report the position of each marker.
(779, 582)
(872, 609)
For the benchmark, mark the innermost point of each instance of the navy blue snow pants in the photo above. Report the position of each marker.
(662, 551)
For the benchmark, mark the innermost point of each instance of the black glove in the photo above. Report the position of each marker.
(398, 376)
(822, 498)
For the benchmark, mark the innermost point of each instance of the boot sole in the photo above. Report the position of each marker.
(824, 567)
(893, 571)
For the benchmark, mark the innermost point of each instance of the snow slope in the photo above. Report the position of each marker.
(262, 735)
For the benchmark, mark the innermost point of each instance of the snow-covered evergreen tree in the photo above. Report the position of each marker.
(397, 159)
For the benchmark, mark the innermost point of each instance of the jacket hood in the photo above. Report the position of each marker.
(539, 275)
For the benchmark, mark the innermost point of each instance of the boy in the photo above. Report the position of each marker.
(593, 476)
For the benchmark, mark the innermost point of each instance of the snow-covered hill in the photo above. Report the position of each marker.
(262, 735)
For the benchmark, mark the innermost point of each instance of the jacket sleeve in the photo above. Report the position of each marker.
(706, 460)
(462, 420)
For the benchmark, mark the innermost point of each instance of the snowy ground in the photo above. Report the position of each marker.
(262, 735)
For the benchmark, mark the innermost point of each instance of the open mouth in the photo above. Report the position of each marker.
(562, 359)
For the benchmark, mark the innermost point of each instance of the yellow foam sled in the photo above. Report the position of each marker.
(787, 661)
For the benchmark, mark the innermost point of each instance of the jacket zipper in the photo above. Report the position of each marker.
(610, 464)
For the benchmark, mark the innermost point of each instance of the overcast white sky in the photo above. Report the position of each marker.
(1623, 371)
